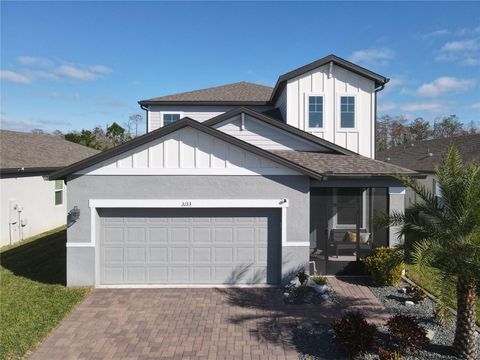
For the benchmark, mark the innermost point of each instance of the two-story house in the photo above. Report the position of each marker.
(238, 184)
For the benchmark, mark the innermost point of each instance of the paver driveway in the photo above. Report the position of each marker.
(194, 323)
(178, 323)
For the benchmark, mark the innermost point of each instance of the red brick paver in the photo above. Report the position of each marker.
(194, 323)
(181, 324)
(354, 294)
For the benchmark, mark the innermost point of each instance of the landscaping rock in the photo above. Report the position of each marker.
(409, 303)
(402, 290)
(430, 334)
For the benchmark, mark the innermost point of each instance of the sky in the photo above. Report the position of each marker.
(76, 65)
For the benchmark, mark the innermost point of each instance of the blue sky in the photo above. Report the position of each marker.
(70, 66)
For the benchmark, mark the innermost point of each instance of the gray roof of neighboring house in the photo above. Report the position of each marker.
(246, 93)
(329, 164)
(417, 155)
(236, 93)
(39, 152)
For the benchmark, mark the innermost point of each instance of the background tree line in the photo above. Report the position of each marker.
(398, 130)
(103, 138)
(391, 131)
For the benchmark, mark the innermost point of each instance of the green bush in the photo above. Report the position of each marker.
(385, 265)
(319, 279)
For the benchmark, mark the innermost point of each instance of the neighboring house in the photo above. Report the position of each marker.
(30, 204)
(425, 156)
(237, 184)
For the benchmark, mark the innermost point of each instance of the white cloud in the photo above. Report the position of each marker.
(431, 106)
(445, 85)
(435, 34)
(464, 52)
(468, 31)
(387, 106)
(475, 106)
(14, 77)
(460, 46)
(73, 72)
(34, 61)
(380, 56)
(51, 94)
(102, 69)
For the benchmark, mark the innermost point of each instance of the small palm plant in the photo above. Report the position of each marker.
(447, 238)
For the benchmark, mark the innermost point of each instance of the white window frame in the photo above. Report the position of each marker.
(307, 112)
(339, 112)
(58, 190)
(169, 113)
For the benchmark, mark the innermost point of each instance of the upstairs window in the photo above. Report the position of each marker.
(58, 192)
(315, 111)
(347, 111)
(169, 118)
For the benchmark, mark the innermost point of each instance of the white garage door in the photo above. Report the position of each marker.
(190, 246)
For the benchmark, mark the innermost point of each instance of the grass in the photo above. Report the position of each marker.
(426, 279)
(33, 296)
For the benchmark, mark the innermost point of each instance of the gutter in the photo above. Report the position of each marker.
(143, 107)
(378, 89)
(27, 171)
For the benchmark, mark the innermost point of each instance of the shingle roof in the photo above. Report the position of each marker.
(241, 92)
(341, 165)
(27, 150)
(417, 156)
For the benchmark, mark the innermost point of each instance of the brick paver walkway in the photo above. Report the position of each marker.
(354, 294)
(191, 323)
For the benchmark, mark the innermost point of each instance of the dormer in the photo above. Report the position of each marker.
(330, 98)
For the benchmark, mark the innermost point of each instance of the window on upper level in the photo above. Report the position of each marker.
(315, 112)
(169, 118)
(58, 192)
(347, 111)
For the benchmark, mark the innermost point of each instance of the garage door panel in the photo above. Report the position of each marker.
(158, 235)
(135, 234)
(157, 254)
(202, 234)
(190, 246)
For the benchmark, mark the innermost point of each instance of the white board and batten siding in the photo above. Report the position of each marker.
(199, 113)
(332, 85)
(188, 151)
(265, 136)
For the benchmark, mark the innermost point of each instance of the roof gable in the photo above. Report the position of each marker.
(282, 79)
(293, 131)
(134, 154)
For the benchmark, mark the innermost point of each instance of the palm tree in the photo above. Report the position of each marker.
(447, 238)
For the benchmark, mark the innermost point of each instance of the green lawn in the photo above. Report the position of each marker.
(426, 280)
(33, 296)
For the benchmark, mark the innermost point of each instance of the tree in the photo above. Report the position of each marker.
(116, 134)
(419, 130)
(448, 126)
(38, 131)
(85, 137)
(447, 238)
(136, 119)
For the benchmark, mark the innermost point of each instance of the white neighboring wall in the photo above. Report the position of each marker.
(199, 113)
(332, 85)
(37, 199)
(188, 151)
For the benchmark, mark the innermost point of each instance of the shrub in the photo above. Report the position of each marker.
(302, 277)
(384, 354)
(319, 279)
(417, 294)
(354, 334)
(408, 334)
(385, 265)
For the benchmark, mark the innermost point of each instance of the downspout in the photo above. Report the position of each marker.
(378, 89)
(146, 116)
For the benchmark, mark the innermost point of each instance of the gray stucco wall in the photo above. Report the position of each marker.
(80, 260)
